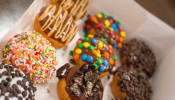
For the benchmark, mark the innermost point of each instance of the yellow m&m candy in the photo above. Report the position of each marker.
(86, 44)
(100, 45)
(99, 15)
(78, 51)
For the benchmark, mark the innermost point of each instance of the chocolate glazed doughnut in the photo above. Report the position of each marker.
(79, 83)
(139, 54)
(105, 27)
(96, 52)
(130, 84)
(56, 25)
(77, 8)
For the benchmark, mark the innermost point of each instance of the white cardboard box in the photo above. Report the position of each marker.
(136, 22)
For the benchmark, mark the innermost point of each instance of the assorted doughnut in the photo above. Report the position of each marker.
(76, 8)
(105, 27)
(139, 54)
(56, 25)
(14, 84)
(30, 57)
(79, 83)
(130, 84)
(33, 54)
(96, 52)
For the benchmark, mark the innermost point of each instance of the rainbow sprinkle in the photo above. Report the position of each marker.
(33, 54)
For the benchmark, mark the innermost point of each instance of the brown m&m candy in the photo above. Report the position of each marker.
(14, 84)
(130, 84)
(105, 27)
(96, 52)
(79, 83)
(140, 55)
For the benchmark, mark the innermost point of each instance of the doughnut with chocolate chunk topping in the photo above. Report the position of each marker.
(81, 83)
(14, 85)
(140, 55)
(130, 84)
(105, 27)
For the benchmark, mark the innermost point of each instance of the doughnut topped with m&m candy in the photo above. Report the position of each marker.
(105, 27)
(96, 52)
(33, 54)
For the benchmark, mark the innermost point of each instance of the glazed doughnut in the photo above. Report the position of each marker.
(56, 25)
(14, 84)
(130, 84)
(79, 83)
(138, 53)
(33, 54)
(77, 8)
(95, 51)
(105, 27)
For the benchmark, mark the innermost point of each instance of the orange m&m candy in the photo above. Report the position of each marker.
(76, 56)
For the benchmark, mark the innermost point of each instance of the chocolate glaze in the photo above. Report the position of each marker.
(69, 30)
(139, 54)
(104, 32)
(88, 52)
(77, 8)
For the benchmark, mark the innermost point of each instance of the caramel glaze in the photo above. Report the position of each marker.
(57, 24)
(77, 8)
(69, 76)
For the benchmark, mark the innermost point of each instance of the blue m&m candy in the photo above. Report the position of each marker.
(85, 31)
(118, 24)
(102, 69)
(94, 41)
(89, 59)
(111, 17)
(83, 57)
(105, 62)
(115, 29)
(113, 26)
(115, 45)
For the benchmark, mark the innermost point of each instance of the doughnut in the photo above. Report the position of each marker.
(56, 25)
(33, 54)
(138, 53)
(105, 27)
(79, 83)
(77, 8)
(96, 52)
(14, 84)
(130, 84)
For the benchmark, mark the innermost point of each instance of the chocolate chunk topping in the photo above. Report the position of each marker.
(134, 83)
(61, 72)
(86, 84)
(15, 89)
(140, 55)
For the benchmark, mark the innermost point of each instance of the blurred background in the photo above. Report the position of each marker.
(12, 10)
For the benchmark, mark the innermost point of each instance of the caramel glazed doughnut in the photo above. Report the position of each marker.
(139, 54)
(96, 52)
(79, 83)
(105, 27)
(130, 84)
(77, 8)
(56, 25)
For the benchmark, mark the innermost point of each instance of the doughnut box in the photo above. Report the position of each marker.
(136, 22)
